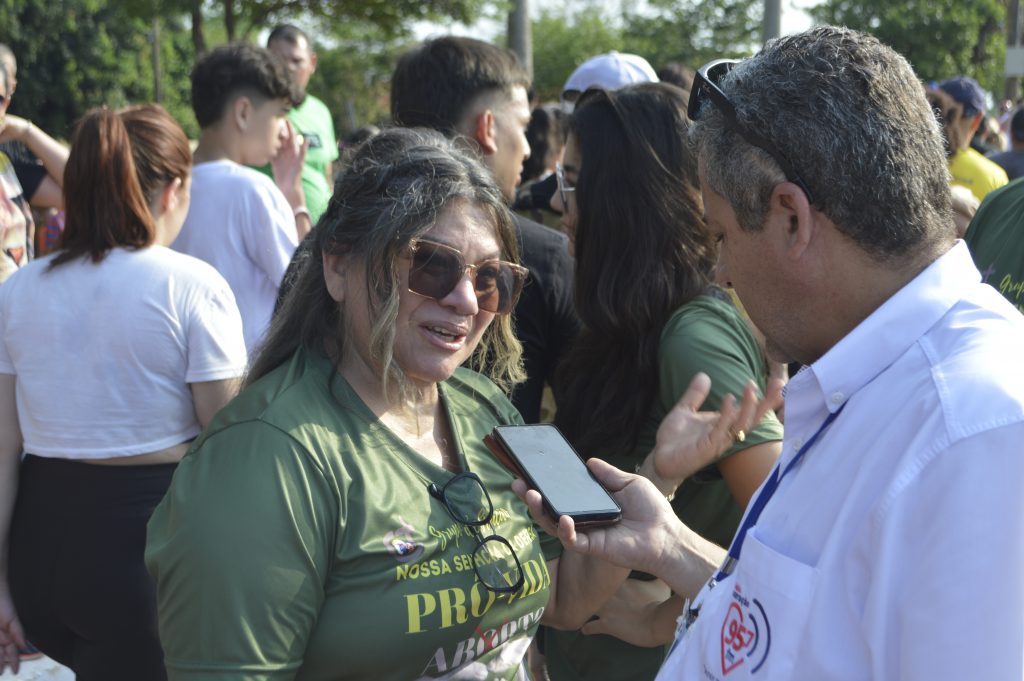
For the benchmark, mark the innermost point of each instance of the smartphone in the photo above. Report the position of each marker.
(552, 467)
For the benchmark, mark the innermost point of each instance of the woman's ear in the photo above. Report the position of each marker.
(334, 276)
(169, 197)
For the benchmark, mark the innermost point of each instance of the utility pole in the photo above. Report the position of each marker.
(158, 94)
(1011, 87)
(772, 20)
(520, 39)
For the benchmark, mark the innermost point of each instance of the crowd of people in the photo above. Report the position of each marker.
(244, 389)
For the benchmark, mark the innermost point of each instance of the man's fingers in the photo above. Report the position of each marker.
(611, 477)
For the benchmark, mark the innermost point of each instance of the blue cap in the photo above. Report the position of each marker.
(966, 92)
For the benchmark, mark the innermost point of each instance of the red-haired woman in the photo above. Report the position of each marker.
(114, 353)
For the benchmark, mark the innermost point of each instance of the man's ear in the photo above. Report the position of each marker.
(484, 132)
(241, 112)
(312, 60)
(792, 215)
(334, 276)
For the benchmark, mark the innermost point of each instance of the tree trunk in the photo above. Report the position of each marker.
(229, 19)
(198, 37)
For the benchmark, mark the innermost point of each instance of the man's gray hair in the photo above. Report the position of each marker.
(851, 117)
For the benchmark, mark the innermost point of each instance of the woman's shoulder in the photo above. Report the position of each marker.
(711, 314)
(166, 268)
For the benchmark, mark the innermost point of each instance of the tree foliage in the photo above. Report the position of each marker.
(940, 38)
(353, 74)
(77, 54)
(692, 32)
(688, 31)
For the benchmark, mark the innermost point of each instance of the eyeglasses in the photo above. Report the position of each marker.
(437, 269)
(705, 88)
(495, 561)
(563, 187)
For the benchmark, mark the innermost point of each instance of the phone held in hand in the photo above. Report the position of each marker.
(542, 456)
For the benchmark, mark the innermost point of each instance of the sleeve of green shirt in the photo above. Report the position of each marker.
(239, 549)
(709, 335)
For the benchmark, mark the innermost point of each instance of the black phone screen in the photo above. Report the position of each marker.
(557, 472)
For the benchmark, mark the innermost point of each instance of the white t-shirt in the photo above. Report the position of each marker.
(894, 550)
(241, 223)
(103, 353)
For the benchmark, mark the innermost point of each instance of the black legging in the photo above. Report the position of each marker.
(76, 567)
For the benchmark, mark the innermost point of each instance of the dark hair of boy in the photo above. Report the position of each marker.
(236, 69)
(434, 84)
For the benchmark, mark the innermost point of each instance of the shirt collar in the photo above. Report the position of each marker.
(894, 327)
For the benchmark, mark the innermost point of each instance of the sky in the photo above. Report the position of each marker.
(794, 20)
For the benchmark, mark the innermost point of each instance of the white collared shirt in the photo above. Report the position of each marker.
(895, 548)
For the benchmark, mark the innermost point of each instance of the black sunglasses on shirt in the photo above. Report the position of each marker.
(705, 89)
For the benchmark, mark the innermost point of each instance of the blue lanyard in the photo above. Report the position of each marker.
(729, 564)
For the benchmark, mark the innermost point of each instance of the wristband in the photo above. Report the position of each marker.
(302, 210)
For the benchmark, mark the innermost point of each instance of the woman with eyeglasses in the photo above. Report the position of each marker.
(651, 319)
(342, 518)
(115, 352)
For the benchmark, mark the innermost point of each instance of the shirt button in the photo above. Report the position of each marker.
(837, 398)
(797, 443)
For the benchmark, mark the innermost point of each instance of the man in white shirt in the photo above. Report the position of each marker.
(239, 221)
(889, 541)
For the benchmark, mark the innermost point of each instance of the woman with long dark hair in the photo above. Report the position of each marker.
(115, 352)
(651, 319)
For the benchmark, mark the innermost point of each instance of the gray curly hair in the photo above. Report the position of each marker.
(851, 116)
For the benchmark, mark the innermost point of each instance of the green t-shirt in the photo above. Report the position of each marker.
(707, 334)
(312, 118)
(994, 237)
(298, 541)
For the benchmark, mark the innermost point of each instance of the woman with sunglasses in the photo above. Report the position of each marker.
(115, 351)
(342, 518)
(651, 319)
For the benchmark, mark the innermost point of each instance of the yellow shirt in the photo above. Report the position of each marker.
(972, 170)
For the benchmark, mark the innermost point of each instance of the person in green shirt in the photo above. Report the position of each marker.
(342, 518)
(652, 319)
(310, 118)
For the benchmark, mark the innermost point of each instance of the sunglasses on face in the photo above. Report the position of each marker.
(437, 269)
(705, 89)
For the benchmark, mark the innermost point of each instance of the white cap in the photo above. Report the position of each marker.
(611, 71)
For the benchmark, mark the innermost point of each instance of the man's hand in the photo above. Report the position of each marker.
(648, 522)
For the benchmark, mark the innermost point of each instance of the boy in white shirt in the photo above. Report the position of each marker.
(240, 221)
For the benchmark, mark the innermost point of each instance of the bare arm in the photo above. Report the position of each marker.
(209, 397)
(745, 470)
(52, 153)
(11, 635)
